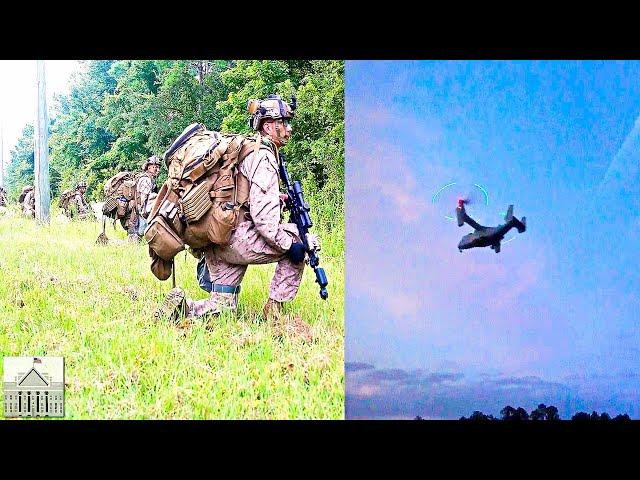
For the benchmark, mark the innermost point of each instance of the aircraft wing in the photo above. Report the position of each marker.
(463, 218)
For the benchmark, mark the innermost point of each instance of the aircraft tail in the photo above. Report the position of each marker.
(521, 225)
(523, 222)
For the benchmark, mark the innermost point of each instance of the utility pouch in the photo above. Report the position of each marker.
(162, 239)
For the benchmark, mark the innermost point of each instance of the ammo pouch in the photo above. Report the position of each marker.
(214, 199)
(226, 216)
(216, 226)
(162, 239)
(196, 203)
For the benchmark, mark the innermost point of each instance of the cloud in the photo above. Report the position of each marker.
(357, 366)
(396, 393)
(402, 261)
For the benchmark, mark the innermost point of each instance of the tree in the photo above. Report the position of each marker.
(508, 413)
(480, 417)
(581, 416)
(117, 113)
(539, 413)
(20, 170)
(621, 418)
(545, 413)
(552, 413)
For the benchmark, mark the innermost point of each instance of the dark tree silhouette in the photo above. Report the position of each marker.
(552, 413)
(539, 413)
(621, 418)
(508, 413)
(581, 416)
(542, 413)
(479, 417)
(512, 414)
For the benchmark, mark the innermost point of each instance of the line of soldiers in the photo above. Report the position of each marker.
(259, 239)
(73, 203)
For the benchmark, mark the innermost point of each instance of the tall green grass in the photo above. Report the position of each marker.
(63, 295)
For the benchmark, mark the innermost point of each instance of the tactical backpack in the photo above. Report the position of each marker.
(23, 193)
(65, 198)
(119, 191)
(200, 203)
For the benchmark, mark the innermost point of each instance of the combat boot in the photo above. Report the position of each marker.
(209, 309)
(282, 326)
(173, 307)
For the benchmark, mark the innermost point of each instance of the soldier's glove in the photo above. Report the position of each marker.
(296, 252)
(313, 241)
(283, 202)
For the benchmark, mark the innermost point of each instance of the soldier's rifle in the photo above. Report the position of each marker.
(299, 214)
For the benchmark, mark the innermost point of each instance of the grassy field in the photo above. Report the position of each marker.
(62, 295)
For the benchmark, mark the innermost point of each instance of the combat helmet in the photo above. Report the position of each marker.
(272, 107)
(81, 184)
(152, 160)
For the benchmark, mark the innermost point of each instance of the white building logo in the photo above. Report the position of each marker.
(33, 386)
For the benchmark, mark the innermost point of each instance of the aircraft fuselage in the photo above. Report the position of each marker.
(486, 237)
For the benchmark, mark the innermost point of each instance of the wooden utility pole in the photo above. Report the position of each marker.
(41, 150)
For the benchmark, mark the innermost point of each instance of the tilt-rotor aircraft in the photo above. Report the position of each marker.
(486, 236)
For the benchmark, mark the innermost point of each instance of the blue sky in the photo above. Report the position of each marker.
(553, 318)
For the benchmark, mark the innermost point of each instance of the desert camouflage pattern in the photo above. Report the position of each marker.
(29, 204)
(145, 186)
(136, 222)
(259, 239)
(79, 206)
(272, 107)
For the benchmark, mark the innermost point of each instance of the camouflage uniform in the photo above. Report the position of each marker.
(29, 204)
(259, 240)
(79, 206)
(3, 197)
(145, 186)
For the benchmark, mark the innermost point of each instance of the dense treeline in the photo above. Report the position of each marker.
(118, 113)
(542, 412)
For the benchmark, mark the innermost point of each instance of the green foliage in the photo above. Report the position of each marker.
(118, 113)
(20, 170)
